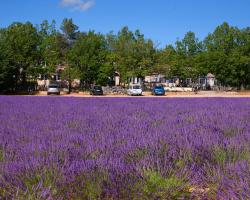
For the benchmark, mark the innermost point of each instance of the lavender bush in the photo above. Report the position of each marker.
(124, 148)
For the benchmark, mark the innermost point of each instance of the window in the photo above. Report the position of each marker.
(53, 86)
(136, 87)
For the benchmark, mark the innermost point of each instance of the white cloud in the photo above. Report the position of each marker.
(81, 5)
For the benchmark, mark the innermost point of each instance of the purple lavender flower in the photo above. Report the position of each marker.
(124, 148)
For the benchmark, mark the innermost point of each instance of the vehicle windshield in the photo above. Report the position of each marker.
(136, 87)
(97, 87)
(158, 87)
(53, 86)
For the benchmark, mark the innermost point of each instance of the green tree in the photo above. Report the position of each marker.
(191, 45)
(222, 39)
(228, 50)
(121, 45)
(165, 61)
(134, 55)
(184, 64)
(106, 70)
(6, 70)
(88, 55)
(53, 49)
(19, 43)
(69, 29)
(143, 55)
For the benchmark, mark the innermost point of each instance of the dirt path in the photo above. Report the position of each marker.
(168, 94)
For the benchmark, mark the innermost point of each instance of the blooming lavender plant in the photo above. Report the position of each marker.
(124, 148)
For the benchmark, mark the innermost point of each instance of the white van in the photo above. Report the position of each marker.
(134, 89)
(53, 89)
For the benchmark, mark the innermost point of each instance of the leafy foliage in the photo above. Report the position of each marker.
(224, 53)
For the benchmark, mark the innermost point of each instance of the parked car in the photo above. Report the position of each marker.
(134, 89)
(53, 89)
(158, 90)
(31, 89)
(96, 90)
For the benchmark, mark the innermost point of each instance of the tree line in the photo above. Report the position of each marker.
(27, 50)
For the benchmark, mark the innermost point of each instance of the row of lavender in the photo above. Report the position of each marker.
(124, 148)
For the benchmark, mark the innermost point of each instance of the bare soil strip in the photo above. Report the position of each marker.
(168, 94)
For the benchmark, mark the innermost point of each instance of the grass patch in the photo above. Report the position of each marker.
(1, 154)
(158, 122)
(230, 132)
(155, 186)
(230, 154)
(89, 185)
(136, 155)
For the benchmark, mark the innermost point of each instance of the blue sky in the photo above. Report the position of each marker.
(163, 21)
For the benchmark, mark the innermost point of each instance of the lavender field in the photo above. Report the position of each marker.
(124, 148)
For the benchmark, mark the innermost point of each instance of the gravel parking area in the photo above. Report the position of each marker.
(168, 94)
